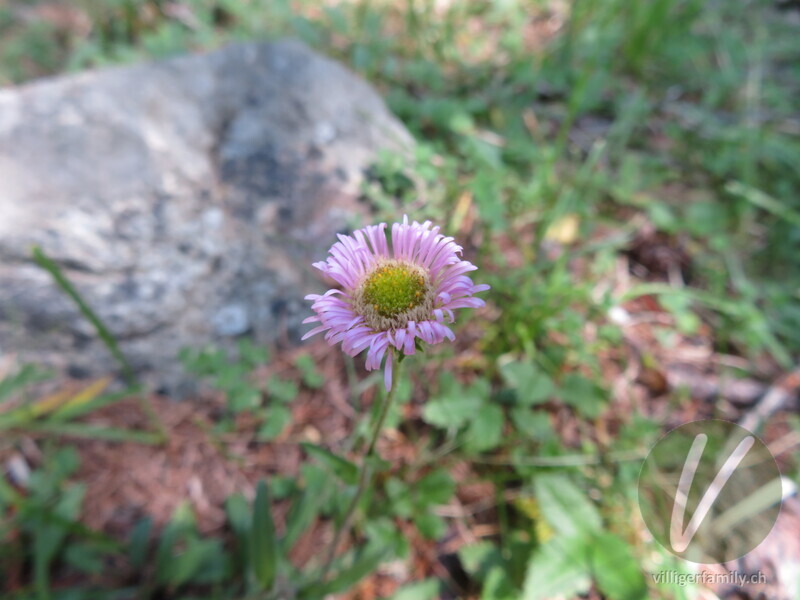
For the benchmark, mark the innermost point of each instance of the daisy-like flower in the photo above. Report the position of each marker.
(391, 297)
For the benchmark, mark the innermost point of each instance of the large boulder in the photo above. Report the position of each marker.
(184, 199)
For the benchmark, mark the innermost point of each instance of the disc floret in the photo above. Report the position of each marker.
(394, 293)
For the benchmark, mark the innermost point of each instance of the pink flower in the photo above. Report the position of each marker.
(392, 297)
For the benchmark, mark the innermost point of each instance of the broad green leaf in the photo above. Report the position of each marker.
(263, 543)
(558, 569)
(532, 386)
(400, 499)
(534, 423)
(565, 506)
(431, 526)
(282, 390)
(498, 585)
(342, 468)
(251, 354)
(477, 558)
(382, 532)
(308, 368)
(615, 569)
(277, 418)
(437, 487)
(452, 410)
(486, 428)
(582, 394)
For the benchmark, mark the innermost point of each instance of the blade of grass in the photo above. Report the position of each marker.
(82, 430)
(764, 201)
(263, 543)
(26, 375)
(71, 411)
(49, 265)
(732, 308)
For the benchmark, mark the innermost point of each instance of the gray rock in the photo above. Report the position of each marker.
(184, 199)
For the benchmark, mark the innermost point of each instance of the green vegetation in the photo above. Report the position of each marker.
(557, 138)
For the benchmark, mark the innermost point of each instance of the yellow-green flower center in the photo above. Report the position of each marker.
(394, 288)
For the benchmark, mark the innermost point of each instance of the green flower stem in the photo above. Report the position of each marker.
(364, 475)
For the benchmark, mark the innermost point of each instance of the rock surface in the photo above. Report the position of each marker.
(184, 199)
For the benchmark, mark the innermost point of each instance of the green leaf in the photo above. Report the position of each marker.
(240, 520)
(477, 558)
(706, 217)
(427, 589)
(431, 526)
(138, 542)
(184, 566)
(498, 585)
(565, 506)
(486, 428)
(308, 368)
(582, 394)
(282, 486)
(347, 578)
(205, 362)
(84, 557)
(95, 432)
(532, 386)
(304, 510)
(343, 469)
(399, 498)
(452, 410)
(25, 376)
(263, 543)
(615, 569)
(282, 390)
(73, 410)
(239, 516)
(277, 418)
(252, 355)
(181, 525)
(241, 396)
(558, 569)
(49, 265)
(534, 423)
(437, 487)
(382, 532)
(49, 535)
(764, 201)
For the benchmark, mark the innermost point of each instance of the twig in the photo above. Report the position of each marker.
(777, 395)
